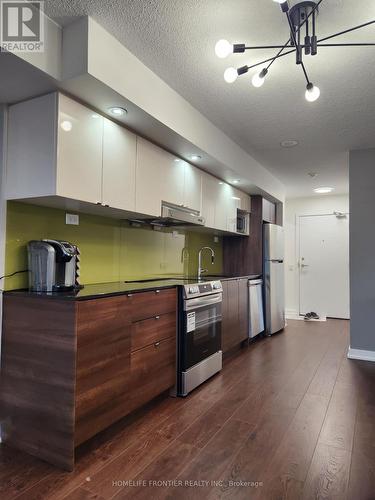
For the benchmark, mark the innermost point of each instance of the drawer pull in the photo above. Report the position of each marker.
(157, 291)
(157, 344)
(157, 317)
(129, 295)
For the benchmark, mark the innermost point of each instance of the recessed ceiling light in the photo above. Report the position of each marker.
(323, 190)
(66, 125)
(221, 183)
(95, 115)
(177, 160)
(115, 111)
(289, 143)
(236, 181)
(196, 157)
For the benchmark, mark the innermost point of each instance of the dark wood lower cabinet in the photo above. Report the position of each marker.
(235, 313)
(72, 368)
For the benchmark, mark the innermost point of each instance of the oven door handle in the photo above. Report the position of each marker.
(200, 302)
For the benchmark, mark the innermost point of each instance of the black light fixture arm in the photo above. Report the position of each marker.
(298, 48)
(346, 31)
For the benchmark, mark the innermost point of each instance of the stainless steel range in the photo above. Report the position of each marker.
(199, 339)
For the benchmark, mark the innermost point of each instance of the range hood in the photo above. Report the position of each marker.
(174, 215)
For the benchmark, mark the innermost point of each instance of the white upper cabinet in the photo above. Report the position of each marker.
(220, 203)
(192, 187)
(119, 161)
(79, 152)
(60, 149)
(245, 200)
(150, 180)
(161, 176)
(210, 190)
(54, 149)
(174, 179)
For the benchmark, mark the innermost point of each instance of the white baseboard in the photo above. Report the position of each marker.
(291, 314)
(361, 355)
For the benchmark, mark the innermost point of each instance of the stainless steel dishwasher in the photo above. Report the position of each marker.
(256, 320)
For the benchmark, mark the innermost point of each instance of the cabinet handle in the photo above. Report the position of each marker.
(130, 295)
(157, 344)
(157, 291)
(98, 203)
(157, 317)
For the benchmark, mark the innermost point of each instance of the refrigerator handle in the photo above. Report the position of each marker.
(279, 261)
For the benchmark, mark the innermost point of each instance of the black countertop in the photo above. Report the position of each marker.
(120, 288)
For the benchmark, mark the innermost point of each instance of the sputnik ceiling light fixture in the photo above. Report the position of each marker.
(302, 16)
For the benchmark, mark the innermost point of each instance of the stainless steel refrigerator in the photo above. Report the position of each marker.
(273, 274)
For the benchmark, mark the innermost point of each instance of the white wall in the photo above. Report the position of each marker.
(293, 208)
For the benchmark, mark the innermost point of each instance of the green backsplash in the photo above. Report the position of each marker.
(110, 249)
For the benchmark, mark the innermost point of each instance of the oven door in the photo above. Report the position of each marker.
(202, 329)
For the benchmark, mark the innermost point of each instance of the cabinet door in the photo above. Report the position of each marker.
(269, 211)
(192, 187)
(243, 309)
(230, 325)
(79, 152)
(233, 204)
(153, 371)
(222, 206)
(210, 191)
(103, 364)
(174, 179)
(245, 201)
(158, 178)
(119, 159)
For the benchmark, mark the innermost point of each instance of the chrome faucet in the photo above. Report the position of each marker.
(200, 270)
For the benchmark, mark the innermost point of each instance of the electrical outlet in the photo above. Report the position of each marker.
(72, 219)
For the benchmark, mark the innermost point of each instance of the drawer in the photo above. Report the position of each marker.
(153, 370)
(149, 331)
(146, 305)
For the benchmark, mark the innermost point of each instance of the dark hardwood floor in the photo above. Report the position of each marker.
(288, 417)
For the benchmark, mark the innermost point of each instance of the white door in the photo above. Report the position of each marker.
(324, 265)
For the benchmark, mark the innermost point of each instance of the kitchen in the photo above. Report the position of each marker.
(152, 340)
(209, 308)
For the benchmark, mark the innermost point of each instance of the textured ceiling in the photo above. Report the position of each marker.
(176, 40)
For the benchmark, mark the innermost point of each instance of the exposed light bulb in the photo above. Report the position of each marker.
(279, 1)
(230, 75)
(312, 92)
(223, 48)
(258, 78)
